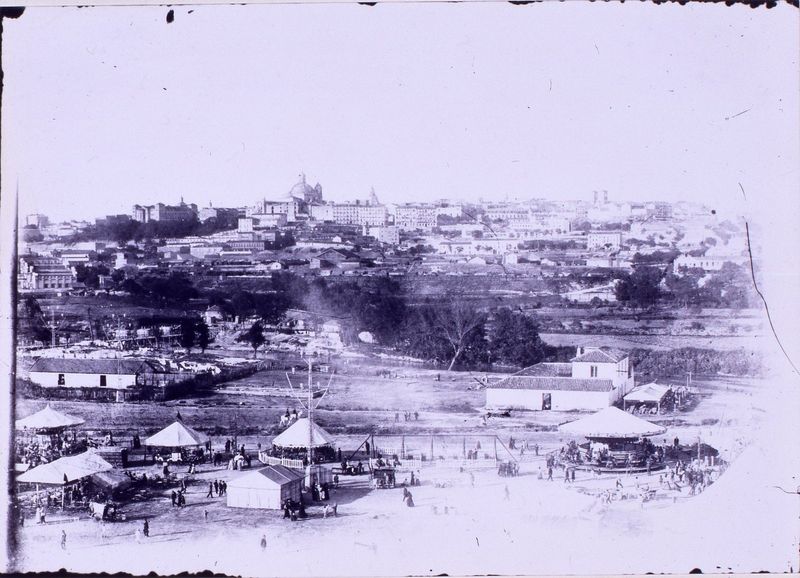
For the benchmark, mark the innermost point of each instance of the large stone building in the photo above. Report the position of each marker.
(608, 240)
(596, 378)
(44, 274)
(414, 217)
(163, 213)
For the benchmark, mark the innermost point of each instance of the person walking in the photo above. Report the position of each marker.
(550, 473)
(335, 509)
(263, 542)
(63, 539)
(507, 494)
(146, 528)
(174, 497)
(325, 510)
(205, 515)
(210, 493)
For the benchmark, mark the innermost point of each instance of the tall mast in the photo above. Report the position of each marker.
(310, 418)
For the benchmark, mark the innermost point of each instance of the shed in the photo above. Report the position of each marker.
(267, 488)
(650, 394)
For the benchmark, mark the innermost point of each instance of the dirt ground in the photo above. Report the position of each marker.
(542, 527)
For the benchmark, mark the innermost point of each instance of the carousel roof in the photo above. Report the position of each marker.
(612, 422)
(66, 469)
(48, 419)
(177, 435)
(296, 436)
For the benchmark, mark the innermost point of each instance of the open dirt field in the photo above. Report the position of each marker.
(542, 527)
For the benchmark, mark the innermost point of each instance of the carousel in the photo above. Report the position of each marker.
(45, 436)
(616, 441)
(177, 443)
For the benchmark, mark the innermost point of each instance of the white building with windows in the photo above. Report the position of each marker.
(596, 378)
(107, 373)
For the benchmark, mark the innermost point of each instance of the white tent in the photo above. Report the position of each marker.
(48, 419)
(296, 436)
(267, 488)
(66, 469)
(612, 422)
(648, 393)
(177, 435)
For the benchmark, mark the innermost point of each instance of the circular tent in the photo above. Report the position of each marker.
(617, 440)
(294, 442)
(48, 421)
(177, 435)
(612, 423)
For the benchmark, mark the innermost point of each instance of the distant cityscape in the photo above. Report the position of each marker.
(300, 231)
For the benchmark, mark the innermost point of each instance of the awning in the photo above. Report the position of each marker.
(67, 469)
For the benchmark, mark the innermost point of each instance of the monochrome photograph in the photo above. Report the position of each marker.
(401, 289)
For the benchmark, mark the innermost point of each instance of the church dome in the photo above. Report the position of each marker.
(302, 189)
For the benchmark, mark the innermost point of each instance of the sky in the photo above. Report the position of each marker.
(107, 107)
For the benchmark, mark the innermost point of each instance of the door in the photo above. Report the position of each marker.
(546, 401)
(103, 381)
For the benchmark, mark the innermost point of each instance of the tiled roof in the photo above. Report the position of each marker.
(553, 383)
(547, 370)
(91, 366)
(601, 355)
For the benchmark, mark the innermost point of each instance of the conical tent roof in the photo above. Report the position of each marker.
(612, 422)
(66, 469)
(177, 435)
(296, 436)
(48, 419)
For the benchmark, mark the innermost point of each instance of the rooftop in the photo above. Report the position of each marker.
(601, 355)
(553, 383)
(91, 366)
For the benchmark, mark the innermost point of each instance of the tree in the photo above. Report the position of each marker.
(254, 336)
(188, 334)
(515, 339)
(454, 332)
(640, 288)
(203, 334)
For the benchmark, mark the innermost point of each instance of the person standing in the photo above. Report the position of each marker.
(263, 542)
(550, 473)
(507, 494)
(63, 539)
(174, 497)
(146, 528)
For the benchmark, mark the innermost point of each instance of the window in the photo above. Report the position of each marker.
(593, 371)
(546, 401)
(61, 379)
(103, 381)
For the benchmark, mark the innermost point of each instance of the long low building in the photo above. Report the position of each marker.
(110, 373)
(594, 379)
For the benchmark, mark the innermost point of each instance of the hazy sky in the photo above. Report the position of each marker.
(106, 107)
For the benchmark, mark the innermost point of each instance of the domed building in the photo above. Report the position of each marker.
(309, 194)
(290, 205)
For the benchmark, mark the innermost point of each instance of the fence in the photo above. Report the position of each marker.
(273, 461)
